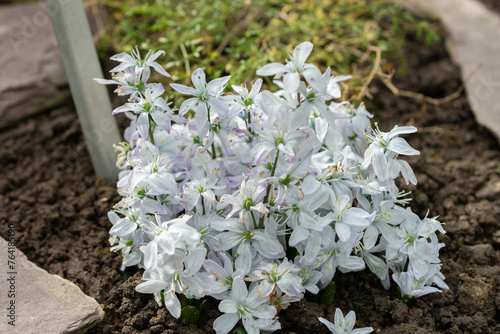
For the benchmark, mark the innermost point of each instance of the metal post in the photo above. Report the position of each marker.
(91, 99)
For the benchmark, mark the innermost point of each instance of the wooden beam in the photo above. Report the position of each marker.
(91, 99)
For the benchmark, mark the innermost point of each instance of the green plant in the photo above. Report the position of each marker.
(237, 37)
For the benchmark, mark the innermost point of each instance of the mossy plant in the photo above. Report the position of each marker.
(237, 37)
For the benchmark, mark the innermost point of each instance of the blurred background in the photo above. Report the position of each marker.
(221, 36)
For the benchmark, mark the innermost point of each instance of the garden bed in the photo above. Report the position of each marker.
(49, 192)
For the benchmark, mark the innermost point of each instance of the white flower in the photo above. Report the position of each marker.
(129, 82)
(134, 60)
(310, 230)
(348, 219)
(283, 275)
(219, 274)
(294, 68)
(153, 170)
(279, 132)
(337, 254)
(410, 285)
(245, 100)
(411, 238)
(123, 226)
(205, 96)
(166, 238)
(250, 307)
(310, 277)
(200, 189)
(247, 241)
(383, 144)
(249, 194)
(150, 107)
(175, 274)
(377, 266)
(133, 73)
(128, 245)
(345, 325)
(211, 203)
(333, 88)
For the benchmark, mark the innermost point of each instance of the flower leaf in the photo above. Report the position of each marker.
(327, 296)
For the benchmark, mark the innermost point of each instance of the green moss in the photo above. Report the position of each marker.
(237, 37)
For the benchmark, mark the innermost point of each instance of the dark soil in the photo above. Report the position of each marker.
(492, 4)
(49, 192)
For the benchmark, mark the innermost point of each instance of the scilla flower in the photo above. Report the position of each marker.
(134, 60)
(212, 204)
(149, 108)
(249, 306)
(345, 325)
(296, 67)
(384, 143)
(205, 97)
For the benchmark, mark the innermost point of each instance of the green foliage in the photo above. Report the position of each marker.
(327, 295)
(191, 308)
(407, 299)
(190, 313)
(239, 36)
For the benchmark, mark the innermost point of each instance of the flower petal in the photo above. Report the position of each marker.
(225, 323)
(314, 77)
(303, 50)
(399, 130)
(173, 304)
(123, 227)
(272, 69)
(380, 165)
(152, 286)
(150, 252)
(158, 68)
(401, 146)
(199, 80)
(143, 125)
(291, 82)
(184, 89)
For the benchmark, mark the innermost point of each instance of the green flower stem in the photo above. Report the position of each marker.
(248, 118)
(247, 122)
(213, 151)
(214, 155)
(268, 190)
(254, 221)
(152, 126)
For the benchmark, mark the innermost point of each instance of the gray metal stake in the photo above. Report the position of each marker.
(91, 99)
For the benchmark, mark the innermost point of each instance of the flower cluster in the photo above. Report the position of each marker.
(255, 197)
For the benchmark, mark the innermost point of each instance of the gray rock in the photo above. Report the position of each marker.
(474, 40)
(43, 303)
(32, 77)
